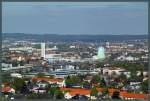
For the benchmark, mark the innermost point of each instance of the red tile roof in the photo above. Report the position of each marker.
(6, 89)
(131, 95)
(48, 79)
(74, 91)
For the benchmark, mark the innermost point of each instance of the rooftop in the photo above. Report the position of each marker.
(48, 79)
(75, 91)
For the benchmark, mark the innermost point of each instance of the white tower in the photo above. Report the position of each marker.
(107, 44)
(43, 50)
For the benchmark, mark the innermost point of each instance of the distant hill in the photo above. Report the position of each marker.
(72, 38)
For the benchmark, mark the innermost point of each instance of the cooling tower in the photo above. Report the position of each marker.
(101, 53)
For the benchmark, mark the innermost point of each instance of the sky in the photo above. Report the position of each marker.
(98, 18)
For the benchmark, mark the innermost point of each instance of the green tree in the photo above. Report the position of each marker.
(40, 75)
(94, 92)
(59, 94)
(18, 84)
(123, 79)
(99, 64)
(85, 83)
(96, 79)
(52, 91)
(145, 86)
(73, 79)
(102, 83)
(105, 92)
(48, 87)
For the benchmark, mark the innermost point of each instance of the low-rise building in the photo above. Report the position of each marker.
(59, 81)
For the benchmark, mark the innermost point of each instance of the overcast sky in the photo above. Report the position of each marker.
(75, 17)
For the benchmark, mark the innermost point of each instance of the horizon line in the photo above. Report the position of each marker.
(68, 34)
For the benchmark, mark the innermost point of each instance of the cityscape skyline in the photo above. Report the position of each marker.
(114, 18)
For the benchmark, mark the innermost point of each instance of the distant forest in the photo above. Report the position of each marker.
(72, 38)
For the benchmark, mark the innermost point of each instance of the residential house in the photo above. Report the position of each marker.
(59, 81)
(8, 90)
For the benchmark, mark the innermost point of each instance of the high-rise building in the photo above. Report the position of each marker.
(107, 44)
(43, 50)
